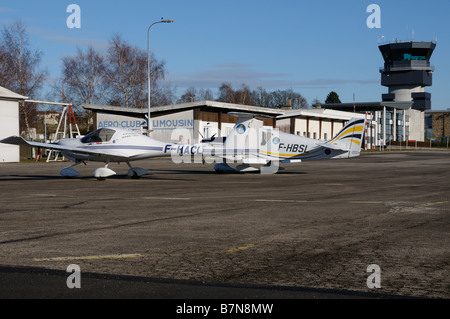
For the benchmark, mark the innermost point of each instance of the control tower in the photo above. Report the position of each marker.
(407, 71)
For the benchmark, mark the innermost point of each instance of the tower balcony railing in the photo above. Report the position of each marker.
(384, 41)
(408, 66)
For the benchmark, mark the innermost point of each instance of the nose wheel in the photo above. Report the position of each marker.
(103, 172)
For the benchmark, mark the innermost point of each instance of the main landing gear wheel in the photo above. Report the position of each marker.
(69, 172)
(136, 172)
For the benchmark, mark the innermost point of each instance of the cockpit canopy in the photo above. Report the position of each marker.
(99, 136)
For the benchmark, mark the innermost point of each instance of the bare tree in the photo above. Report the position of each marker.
(19, 64)
(84, 77)
(190, 95)
(163, 95)
(288, 98)
(6, 70)
(226, 93)
(84, 80)
(260, 97)
(243, 95)
(127, 75)
(316, 102)
(298, 101)
(205, 94)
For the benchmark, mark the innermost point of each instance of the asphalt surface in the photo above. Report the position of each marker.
(184, 231)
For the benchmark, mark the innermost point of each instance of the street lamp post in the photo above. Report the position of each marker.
(148, 70)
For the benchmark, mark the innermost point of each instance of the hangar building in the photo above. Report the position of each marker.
(389, 121)
(437, 124)
(9, 123)
(192, 121)
(205, 119)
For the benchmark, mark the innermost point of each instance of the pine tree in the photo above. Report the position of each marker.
(332, 97)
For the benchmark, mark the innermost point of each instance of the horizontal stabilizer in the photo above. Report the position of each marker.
(15, 140)
(335, 146)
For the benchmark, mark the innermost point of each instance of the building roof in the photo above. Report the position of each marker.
(437, 111)
(339, 111)
(321, 113)
(368, 106)
(6, 94)
(227, 107)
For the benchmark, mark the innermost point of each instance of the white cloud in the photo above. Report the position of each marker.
(60, 37)
(240, 73)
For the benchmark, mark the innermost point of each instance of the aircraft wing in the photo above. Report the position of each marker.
(17, 140)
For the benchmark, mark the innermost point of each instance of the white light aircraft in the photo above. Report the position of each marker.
(248, 145)
(105, 145)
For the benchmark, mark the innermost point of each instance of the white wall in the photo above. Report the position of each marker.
(9, 125)
(175, 127)
(416, 124)
(314, 128)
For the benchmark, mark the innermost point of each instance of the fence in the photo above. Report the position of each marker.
(411, 144)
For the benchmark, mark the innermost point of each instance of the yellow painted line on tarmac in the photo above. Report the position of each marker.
(432, 204)
(239, 182)
(44, 195)
(423, 205)
(281, 200)
(167, 198)
(232, 250)
(365, 202)
(123, 256)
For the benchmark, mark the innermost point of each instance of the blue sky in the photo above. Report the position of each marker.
(312, 47)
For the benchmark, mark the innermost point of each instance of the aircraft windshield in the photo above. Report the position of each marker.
(99, 136)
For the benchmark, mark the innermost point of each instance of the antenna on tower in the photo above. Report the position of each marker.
(354, 108)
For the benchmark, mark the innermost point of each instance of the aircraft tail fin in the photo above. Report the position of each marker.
(350, 138)
(244, 133)
(241, 144)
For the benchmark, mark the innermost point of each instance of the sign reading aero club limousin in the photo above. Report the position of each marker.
(169, 122)
(162, 126)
